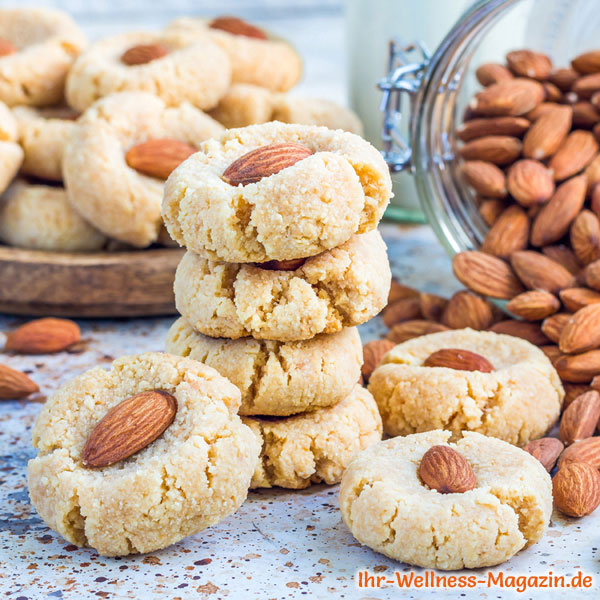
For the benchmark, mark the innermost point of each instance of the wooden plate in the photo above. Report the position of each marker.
(99, 284)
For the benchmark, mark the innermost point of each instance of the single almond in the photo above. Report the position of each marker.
(576, 489)
(585, 87)
(546, 450)
(373, 353)
(486, 274)
(445, 470)
(43, 336)
(237, 26)
(580, 418)
(7, 47)
(399, 291)
(583, 451)
(547, 133)
(458, 359)
(143, 54)
(522, 329)
(404, 309)
(432, 306)
(511, 97)
(497, 149)
(555, 218)
(574, 154)
(582, 331)
(485, 178)
(129, 427)
(158, 157)
(564, 256)
(534, 305)
(585, 237)
(578, 368)
(526, 63)
(529, 182)
(508, 234)
(490, 73)
(476, 128)
(579, 297)
(585, 115)
(263, 162)
(408, 330)
(490, 210)
(466, 309)
(538, 272)
(563, 78)
(552, 326)
(281, 265)
(15, 384)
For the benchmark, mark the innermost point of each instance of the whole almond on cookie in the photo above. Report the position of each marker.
(497, 149)
(476, 128)
(158, 157)
(129, 427)
(578, 368)
(580, 418)
(466, 309)
(538, 272)
(547, 133)
(143, 54)
(458, 359)
(522, 329)
(373, 353)
(534, 305)
(583, 451)
(485, 178)
(263, 162)
(576, 489)
(508, 234)
(582, 331)
(408, 330)
(574, 154)
(529, 182)
(490, 73)
(445, 470)
(585, 237)
(546, 450)
(15, 384)
(43, 336)
(237, 26)
(486, 274)
(512, 97)
(526, 63)
(552, 326)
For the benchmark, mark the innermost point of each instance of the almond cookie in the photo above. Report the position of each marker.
(517, 401)
(314, 447)
(169, 65)
(43, 135)
(190, 477)
(246, 104)
(387, 507)
(256, 57)
(125, 203)
(40, 217)
(39, 47)
(339, 288)
(333, 184)
(277, 378)
(11, 154)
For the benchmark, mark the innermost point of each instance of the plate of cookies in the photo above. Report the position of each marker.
(89, 135)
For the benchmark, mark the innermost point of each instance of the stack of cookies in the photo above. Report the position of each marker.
(283, 262)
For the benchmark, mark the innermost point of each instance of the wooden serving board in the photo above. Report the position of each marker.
(98, 284)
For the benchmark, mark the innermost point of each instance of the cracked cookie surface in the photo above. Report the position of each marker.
(520, 400)
(11, 154)
(314, 447)
(193, 475)
(277, 378)
(314, 205)
(387, 507)
(339, 288)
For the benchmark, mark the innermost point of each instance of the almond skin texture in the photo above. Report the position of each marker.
(460, 360)
(445, 470)
(373, 353)
(547, 133)
(158, 158)
(15, 384)
(402, 310)
(546, 450)
(522, 329)
(486, 275)
(584, 451)
(576, 151)
(7, 47)
(264, 161)
(585, 237)
(281, 265)
(578, 368)
(485, 178)
(466, 309)
(576, 489)
(497, 149)
(582, 331)
(580, 418)
(552, 326)
(476, 128)
(129, 427)
(490, 73)
(508, 234)
(43, 336)
(237, 26)
(555, 218)
(529, 182)
(526, 63)
(576, 298)
(534, 305)
(412, 329)
(512, 97)
(143, 54)
(538, 272)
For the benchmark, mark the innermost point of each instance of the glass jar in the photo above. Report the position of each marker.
(439, 88)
